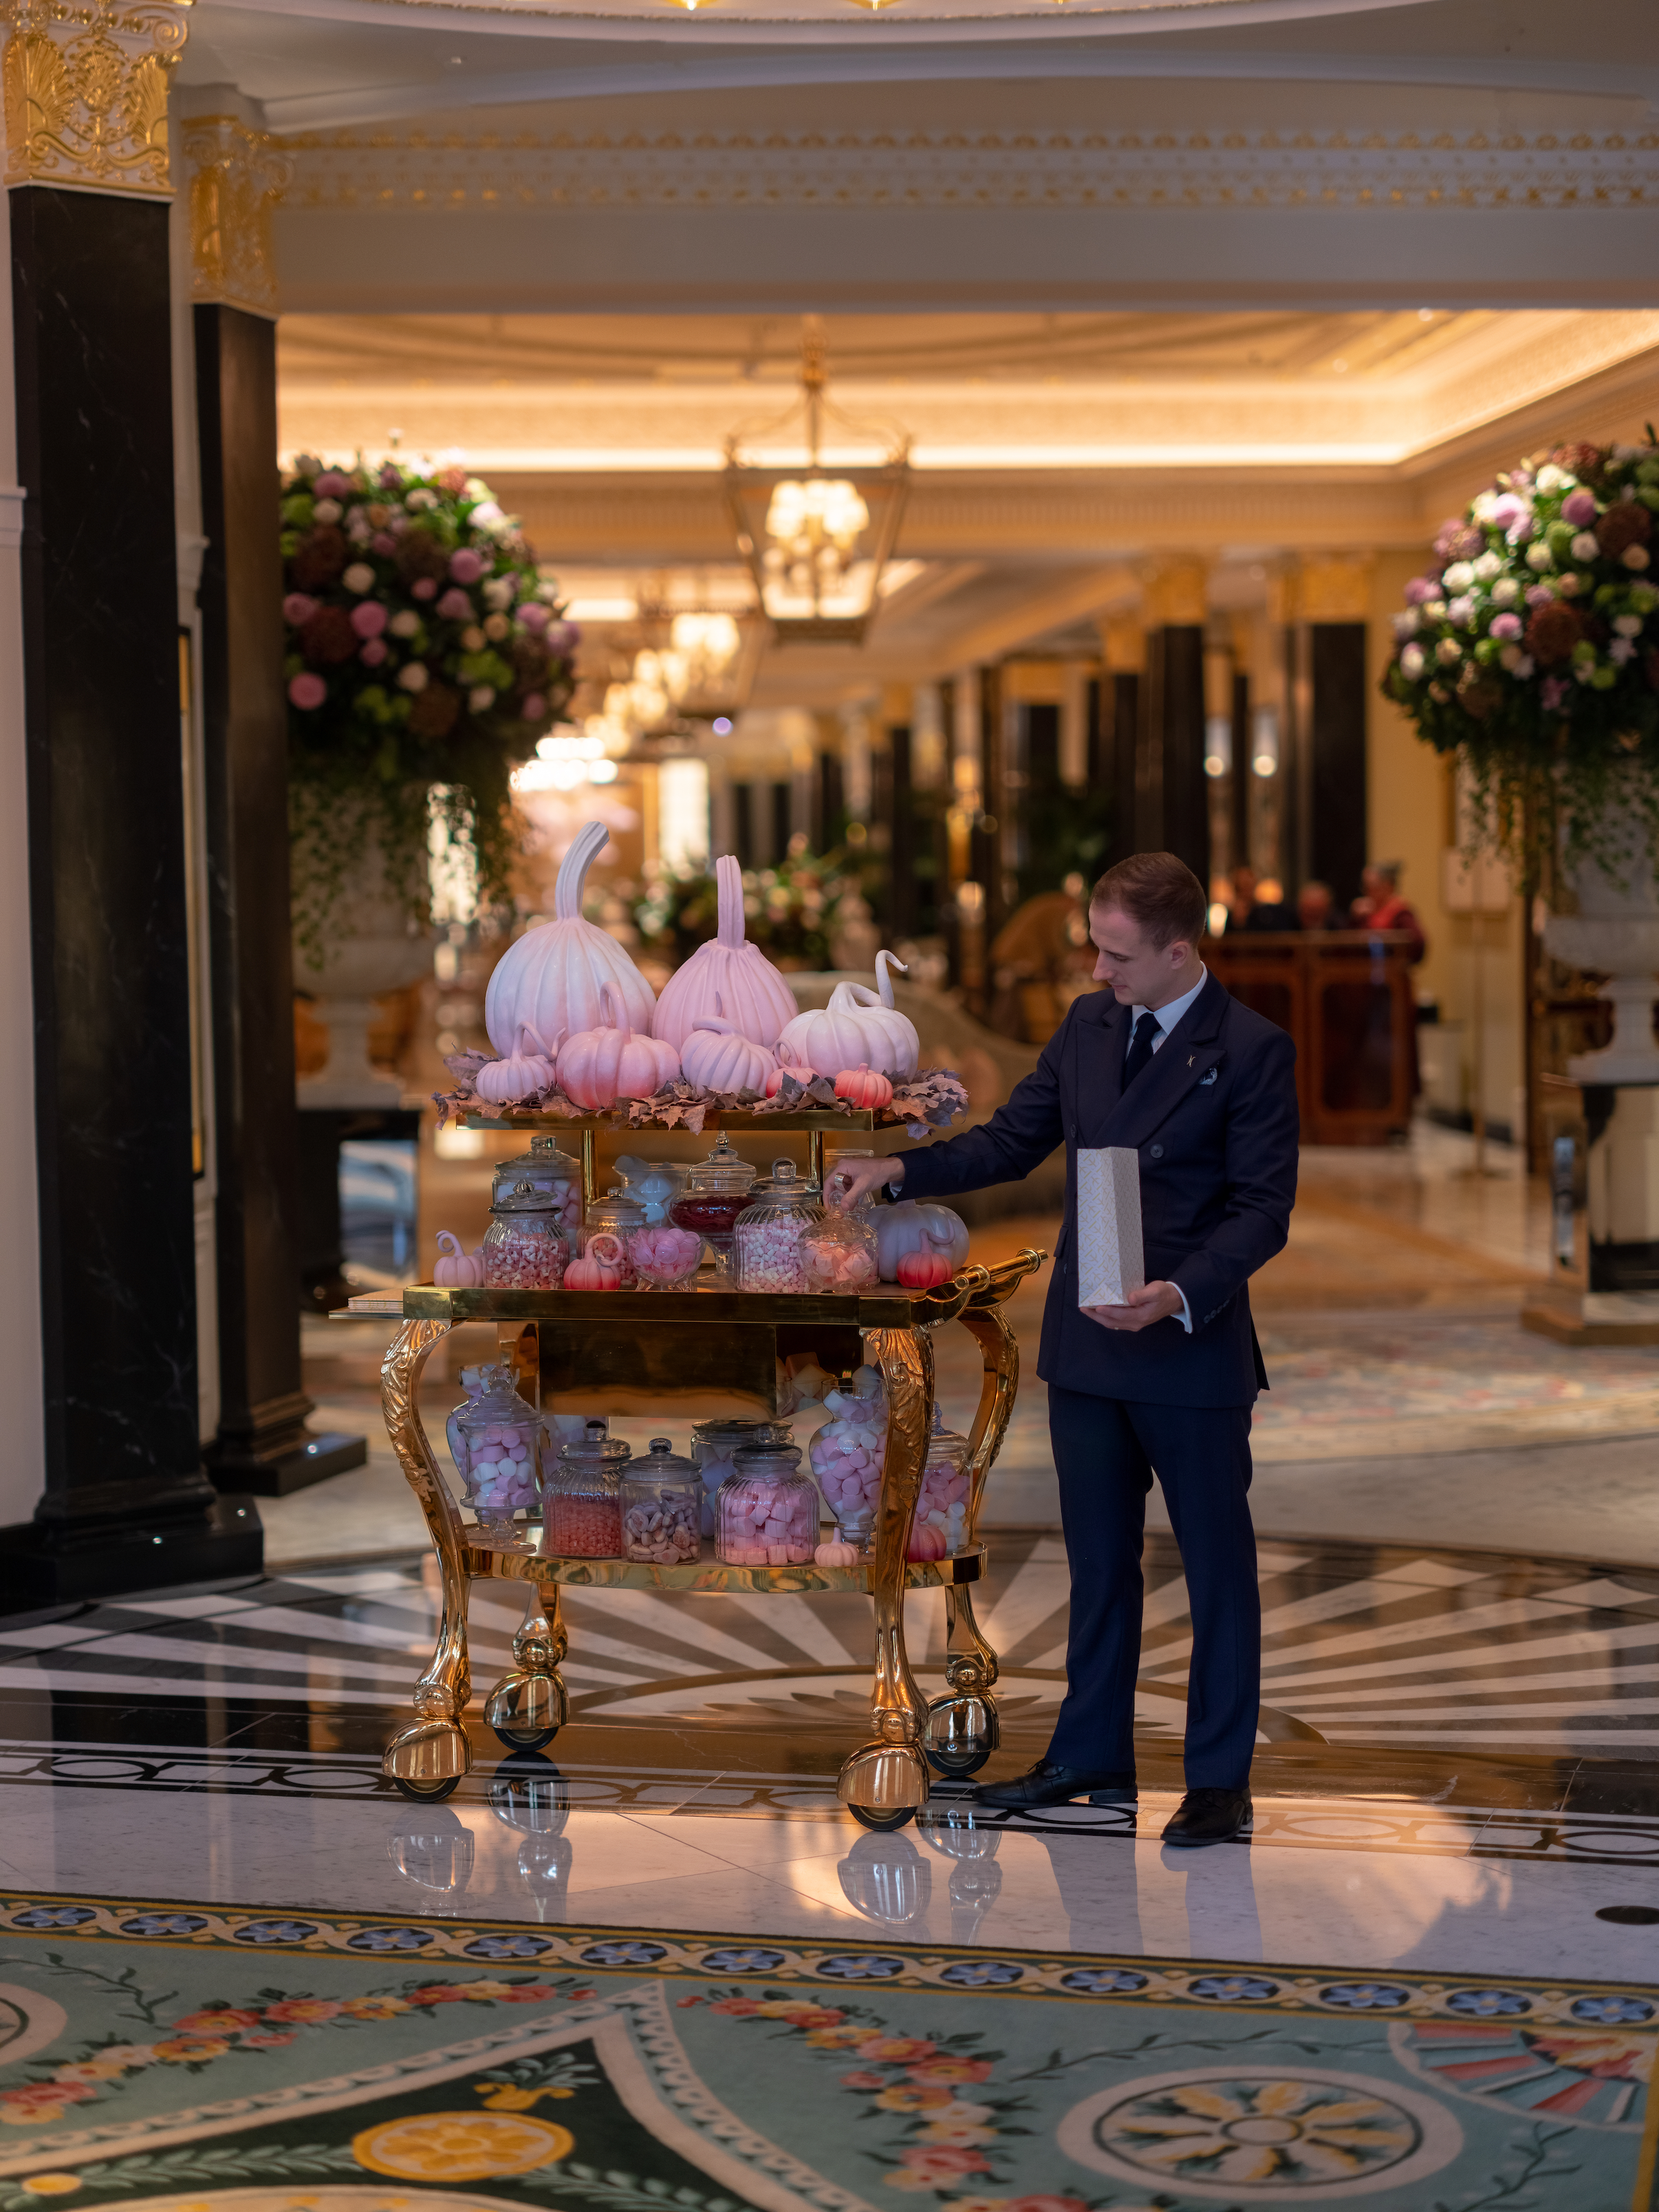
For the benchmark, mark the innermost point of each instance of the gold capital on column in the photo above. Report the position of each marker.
(1176, 593)
(85, 91)
(236, 177)
(1333, 590)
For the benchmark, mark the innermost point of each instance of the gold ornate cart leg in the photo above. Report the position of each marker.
(528, 1707)
(885, 1783)
(962, 1727)
(428, 1759)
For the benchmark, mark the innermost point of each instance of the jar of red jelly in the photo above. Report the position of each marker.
(715, 1194)
(581, 1498)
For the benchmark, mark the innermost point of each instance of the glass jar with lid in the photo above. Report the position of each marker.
(769, 1230)
(654, 1184)
(581, 1498)
(943, 1502)
(662, 1507)
(544, 1167)
(839, 1253)
(615, 1215)
(715, 1445)
(523, 1247)
(769, 1510)
(716, 1192)
(496, 1441)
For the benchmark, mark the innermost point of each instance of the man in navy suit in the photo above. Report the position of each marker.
(1165, 1062)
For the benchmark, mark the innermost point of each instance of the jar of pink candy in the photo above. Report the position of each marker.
(664, 1257)
(848, 1452)
(544, 1167)
(769, 1232)
(523, 1247)
(496, 1440)
(582, 1506)
(769, 1510)
(941, 1515)
(619, 1216)
(662, 1507)
(839, 1253)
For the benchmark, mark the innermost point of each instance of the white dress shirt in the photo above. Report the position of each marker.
(1166, 1017)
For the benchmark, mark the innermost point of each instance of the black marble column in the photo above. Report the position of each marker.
(1172, 801)
(264, 1444)
(1113, 757)
(1336, 765)
(127, 1503)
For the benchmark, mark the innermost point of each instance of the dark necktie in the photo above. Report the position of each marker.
(1140, 1047)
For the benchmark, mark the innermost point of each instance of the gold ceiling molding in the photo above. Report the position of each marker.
(1147, 169)
(237, 175)
(85, 93)
(1332, 591)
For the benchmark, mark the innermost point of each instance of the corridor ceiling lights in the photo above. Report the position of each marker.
(817, 538)
(566, 758)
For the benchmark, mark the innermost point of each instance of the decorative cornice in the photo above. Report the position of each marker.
(1153, 168)
(237, 175)
(85, 93)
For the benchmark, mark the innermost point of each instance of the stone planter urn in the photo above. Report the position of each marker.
(1615, 932)
(372, 947)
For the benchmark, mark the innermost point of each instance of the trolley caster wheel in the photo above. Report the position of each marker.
(882, 1823)
(429, 1793)
(527, 1740)
(956, 1765)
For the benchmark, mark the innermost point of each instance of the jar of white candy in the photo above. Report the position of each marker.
(769, 1232)
(715, 1447)
(662, 1507)
(544, 1167)
(769, 1510)
(495, 1439)
(848, 1452)
(943, 1504)
(839, 1253)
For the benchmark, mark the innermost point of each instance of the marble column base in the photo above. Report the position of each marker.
(43, 1564)
(274, 1453)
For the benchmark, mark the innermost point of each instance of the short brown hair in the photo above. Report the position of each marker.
(1159, 893)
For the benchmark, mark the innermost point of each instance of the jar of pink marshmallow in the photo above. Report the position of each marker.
(769, 1510)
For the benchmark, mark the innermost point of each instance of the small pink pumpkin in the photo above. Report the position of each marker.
(864, 1087)
(799, 1069)
(836, 1554)
(926, 1542)
(591, 1272)
(920, 1271)
(456, 1269)
(597, 1066)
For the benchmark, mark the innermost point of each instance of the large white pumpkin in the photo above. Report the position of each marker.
(859, 1028)
(549, 979)
(728, 976)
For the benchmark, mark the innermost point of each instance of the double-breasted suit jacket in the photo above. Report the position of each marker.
(1214, 1119)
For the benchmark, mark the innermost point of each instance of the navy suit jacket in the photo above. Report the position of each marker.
(1214, 1120)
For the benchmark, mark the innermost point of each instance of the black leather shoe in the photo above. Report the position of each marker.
(1048, 1784)
(1210, 1816)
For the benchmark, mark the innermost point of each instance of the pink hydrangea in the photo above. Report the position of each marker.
(1578, 508)
(563, 637)
(534, 707)
(298, 607)
(455, 607)
(391, 478)
(1506, 626)
(534, 617)
(424, 588)
(1541, 595)
(383, 543)
(373, 654)
(333, 483)
(1554, 690)
(1422, 588)
(368, 618)
(465, 566)
(307, 688)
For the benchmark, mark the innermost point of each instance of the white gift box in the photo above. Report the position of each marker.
(1110, 1260)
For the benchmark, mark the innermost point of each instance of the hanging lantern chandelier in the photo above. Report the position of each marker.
(817, 538)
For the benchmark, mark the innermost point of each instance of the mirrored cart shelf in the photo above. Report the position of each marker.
(711, 1577)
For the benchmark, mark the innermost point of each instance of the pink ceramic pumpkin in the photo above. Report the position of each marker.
(600, 1065)
(715, 1057)
(836, 1554)
(864, 1087)
(456, 1269)
(728, 977)
(920, 1271)
(799, 1069)
(926, 1542)
(599, 1268)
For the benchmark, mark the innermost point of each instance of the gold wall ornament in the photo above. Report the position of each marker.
(237, 175)
(85, 91)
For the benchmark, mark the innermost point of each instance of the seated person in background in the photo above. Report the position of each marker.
(1380, 905)
(1316, 907)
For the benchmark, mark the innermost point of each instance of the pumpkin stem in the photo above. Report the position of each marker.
(611, 1015)
(728, 901)
(449, 1244)
(573, 870)
(884, 978)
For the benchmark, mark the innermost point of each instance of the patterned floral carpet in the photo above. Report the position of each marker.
(213, 2061)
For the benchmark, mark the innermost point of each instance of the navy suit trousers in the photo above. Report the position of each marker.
(1107, 1452)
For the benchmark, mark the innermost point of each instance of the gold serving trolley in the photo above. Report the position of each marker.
(685, 1355)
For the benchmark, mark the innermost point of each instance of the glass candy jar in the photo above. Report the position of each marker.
(544, 1167)
(942, 1503)
(714, 1446)
(665, 1257)
(523, 1247)
(769, 1232)
(654, 1184)
(769, 1510)
(849, 1451)
(496, 1440)
(716, 1192)
(581, 1498)
(662, 1507)
(839, 1253)
(615, 1215)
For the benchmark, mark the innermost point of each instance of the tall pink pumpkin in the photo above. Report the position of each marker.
(728, 973)
(549, 979)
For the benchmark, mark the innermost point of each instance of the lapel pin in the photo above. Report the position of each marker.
(1191, 1057)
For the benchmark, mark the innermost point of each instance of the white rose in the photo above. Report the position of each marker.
(1462, 611)
(1620, 651)
(1488, 566)
(404, 624)
(1411, 663)
(1405, 625)
(1635, 557)
(1539, 558)
(487, 516)
(1485, 503)
(499, 592)
(359, 577)
(1448, 652)
(1458, 576)
(1434, 610)
(307, 465)
(420, 499)
(481, 696)
(1550, 478)
(1585, 546)
(327, 510)
(1506, 592)
(1628, 625)
(413, 675)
